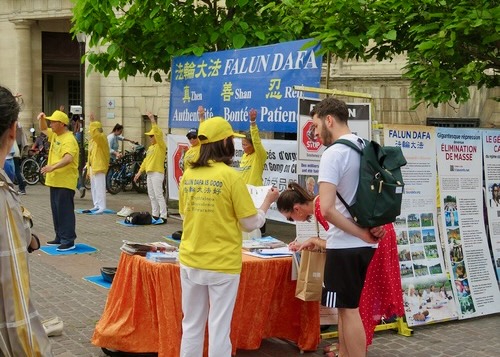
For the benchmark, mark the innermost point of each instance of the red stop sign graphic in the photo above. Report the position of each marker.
(178, 156)
(310, 141)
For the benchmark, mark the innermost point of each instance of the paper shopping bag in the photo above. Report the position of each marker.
(310, 276)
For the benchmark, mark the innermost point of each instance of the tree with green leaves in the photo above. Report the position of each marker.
(450, 44)
(142, 36)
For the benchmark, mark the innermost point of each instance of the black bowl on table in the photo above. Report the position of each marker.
(108, 273)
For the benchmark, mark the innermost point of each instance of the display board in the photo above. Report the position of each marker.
(491, 161)
(280, 167)
(460, 159)
(427, 292)
(230, 83)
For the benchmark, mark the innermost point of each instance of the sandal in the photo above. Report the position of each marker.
(334, 348)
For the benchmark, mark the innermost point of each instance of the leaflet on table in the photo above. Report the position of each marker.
(143, 248)
(162, 257)
(265, 256)
(262, 243)
(258, 194)
(275, 251)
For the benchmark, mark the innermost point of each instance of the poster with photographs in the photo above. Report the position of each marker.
(460, 158)
(491, 159)
(427, 291)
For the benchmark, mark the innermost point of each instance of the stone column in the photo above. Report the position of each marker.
(93, 102)
(24, 70)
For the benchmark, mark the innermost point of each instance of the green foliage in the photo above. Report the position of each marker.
(142, 36)
(450, 44)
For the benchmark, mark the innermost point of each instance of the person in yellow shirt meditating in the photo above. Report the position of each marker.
(61, 176)
(98, 163)
(154, 166)
(255, 156)
(213, 194)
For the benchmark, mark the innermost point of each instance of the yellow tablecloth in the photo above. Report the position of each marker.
(143, 312)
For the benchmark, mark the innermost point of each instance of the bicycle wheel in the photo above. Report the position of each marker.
(43, 163)
(141, 185)
(30, 171)
(113, 184)
(86, 178)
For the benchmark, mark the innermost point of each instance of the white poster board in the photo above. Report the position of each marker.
(427, 290)
(459, 155)
(491, 159)
(280, 167)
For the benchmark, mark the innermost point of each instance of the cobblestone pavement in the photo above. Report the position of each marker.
(59, 289)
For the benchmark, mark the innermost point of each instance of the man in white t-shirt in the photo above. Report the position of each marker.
(350, 248)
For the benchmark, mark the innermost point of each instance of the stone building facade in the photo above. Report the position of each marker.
(41, 60)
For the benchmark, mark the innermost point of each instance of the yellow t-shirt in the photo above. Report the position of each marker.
(67, 176)
(212, 200)
(191, 156)
(252, 166)
(98, 149)
(155, 156)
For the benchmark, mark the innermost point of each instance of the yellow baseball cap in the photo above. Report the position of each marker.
(216, 129)
(151, 132)
(59, 116)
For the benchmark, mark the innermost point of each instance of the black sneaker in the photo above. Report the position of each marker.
(66, 246)
(21, 192)
(53, 242)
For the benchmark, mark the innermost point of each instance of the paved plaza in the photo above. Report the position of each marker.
(59, 288)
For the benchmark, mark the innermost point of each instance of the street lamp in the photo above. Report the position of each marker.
(80, 37)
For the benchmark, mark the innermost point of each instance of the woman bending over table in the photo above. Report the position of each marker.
(381, 294)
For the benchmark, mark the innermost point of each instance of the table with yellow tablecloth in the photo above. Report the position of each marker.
(143, 312)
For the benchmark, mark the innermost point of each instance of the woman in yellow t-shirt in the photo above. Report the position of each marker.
(213, 194)
(255, 155)
(154, 166)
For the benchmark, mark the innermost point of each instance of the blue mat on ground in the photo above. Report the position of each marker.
(98, 280)
(106, 211)
(157, 222)
(79, 249)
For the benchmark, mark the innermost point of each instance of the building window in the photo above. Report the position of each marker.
(73, 92)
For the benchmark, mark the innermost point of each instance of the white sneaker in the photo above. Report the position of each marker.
(125, 211)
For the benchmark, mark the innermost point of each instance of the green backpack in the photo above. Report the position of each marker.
(380, 188)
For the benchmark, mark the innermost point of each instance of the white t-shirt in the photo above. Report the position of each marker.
(339, 166)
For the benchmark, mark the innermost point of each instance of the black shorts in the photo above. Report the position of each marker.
(345, 272)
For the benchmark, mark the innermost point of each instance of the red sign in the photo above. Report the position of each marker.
(178, 161)
(309, 138)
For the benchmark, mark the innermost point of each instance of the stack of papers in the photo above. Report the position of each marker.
(134, 248)
(263, 243)
(162, 257)
(270, 253)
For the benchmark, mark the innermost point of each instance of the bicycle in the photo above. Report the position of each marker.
(30, 166)
(121, 172)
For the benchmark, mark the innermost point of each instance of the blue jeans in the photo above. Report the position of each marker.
(63, 214)
(9, 169)
(20, 179)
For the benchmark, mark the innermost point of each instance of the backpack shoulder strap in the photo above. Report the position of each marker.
(348, 143)
(359, 151)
